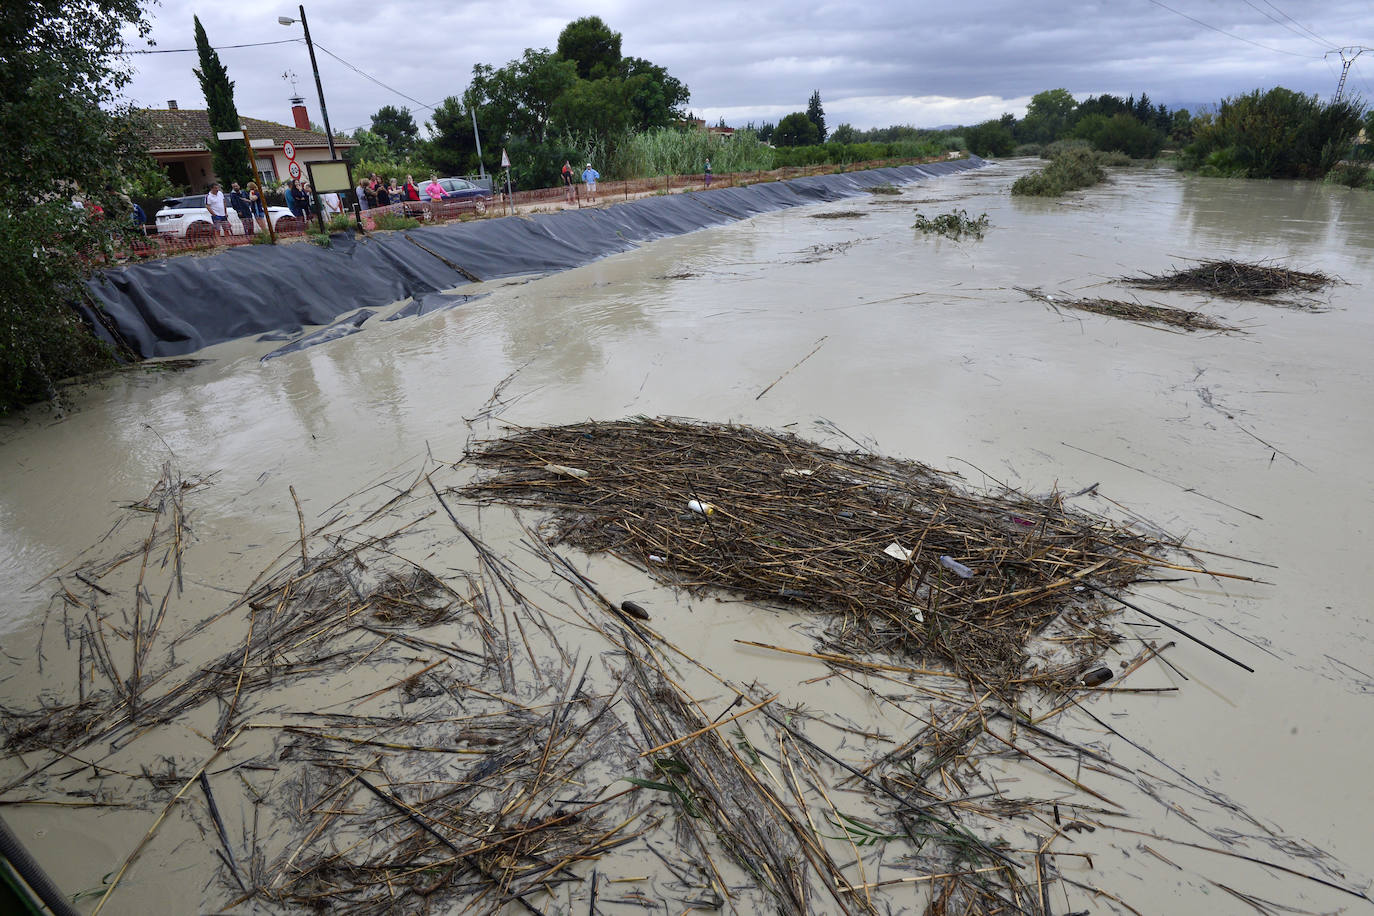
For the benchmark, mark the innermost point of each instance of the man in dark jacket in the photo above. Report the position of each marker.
(239, 201)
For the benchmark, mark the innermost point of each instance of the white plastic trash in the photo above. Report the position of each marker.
(564, 469)
(698, 506)
(954, 566)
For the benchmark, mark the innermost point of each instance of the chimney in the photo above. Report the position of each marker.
(298, 112)
(171, 104)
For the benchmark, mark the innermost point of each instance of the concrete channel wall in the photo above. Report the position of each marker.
(179, 305)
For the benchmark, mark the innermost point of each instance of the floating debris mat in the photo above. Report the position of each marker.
(910, 563)
(1235, 280)
(1133, 311)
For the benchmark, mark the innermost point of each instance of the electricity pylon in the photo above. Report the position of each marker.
(1352, 52)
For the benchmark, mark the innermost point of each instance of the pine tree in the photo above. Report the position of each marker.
(230, 161)
(816, 114)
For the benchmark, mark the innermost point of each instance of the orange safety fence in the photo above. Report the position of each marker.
(135, 246)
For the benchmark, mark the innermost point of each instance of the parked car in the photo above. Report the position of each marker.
(459, 192)
(186, 217)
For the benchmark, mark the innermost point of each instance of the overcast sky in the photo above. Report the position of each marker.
(875, 64)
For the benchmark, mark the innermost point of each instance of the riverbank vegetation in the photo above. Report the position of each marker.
(65, 149)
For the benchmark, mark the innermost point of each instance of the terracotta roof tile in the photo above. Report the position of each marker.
(184, 129)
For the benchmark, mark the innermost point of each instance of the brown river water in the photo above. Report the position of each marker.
(1255, 445)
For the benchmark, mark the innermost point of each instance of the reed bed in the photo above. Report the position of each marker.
(904, 559)
(1235, 280)
(1156, 315)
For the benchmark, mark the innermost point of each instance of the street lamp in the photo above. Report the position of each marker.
(324, 112)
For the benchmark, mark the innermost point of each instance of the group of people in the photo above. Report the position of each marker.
(249, 204)
(590, 176)
(374, 191)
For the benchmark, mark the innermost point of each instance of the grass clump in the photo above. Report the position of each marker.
(954, 225)
(340, 222)
(885, 189)
(396, 221)
(1071, 169)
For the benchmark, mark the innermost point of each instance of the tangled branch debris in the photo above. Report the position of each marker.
(1132, 311)
(906, 561)
(1235, 280)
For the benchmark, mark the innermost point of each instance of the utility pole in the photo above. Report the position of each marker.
(1348, 56)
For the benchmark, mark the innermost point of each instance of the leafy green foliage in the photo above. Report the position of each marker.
(591, 46)
(991, 138)
(1121, 131)
(796, 130)
(1072, 168)
(229, 157)
(61, 134)
(1274, 134)
(954, 225)
(816, 115)
(1047, 116)
(397, 129)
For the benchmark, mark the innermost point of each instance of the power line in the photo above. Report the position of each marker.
(255, 44)
(1277, 21)
(374, 79)
(1231, 34)
(1299, 24)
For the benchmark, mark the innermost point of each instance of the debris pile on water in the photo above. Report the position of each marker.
(1235, 280)
(1132, 311)
(907, 561)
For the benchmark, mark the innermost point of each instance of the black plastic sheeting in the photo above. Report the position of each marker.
(179, 305)
(341, 328)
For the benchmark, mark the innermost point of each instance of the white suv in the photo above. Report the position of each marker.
(186, 217)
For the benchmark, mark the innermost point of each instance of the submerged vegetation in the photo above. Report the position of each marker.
(954, 225)
(1274, 134)
(1070, 169)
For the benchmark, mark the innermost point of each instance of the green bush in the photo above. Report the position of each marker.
(1028, 150)
(1120, 132)
(955, 225)
(395, 221)
(1274, 134)
(1114, 158)
(991, 138)
(1351, 176)
(1069, 170)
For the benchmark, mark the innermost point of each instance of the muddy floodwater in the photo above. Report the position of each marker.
(1254, 446)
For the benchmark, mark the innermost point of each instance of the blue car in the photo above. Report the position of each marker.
(460, 193)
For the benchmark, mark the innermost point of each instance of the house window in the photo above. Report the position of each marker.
(267, 172)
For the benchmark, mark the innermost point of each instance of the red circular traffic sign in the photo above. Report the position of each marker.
(289, 149)
(293, 169)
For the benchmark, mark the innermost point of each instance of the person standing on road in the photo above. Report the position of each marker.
(214, 202)
(708, 171)
(568, 179)
(589, 177)
(239, 201)
(255, 207)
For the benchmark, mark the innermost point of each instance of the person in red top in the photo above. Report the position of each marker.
(568, 180)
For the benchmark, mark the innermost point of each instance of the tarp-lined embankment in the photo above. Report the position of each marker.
(180, 305)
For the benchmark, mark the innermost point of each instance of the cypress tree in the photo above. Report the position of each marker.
(816, 114)
(230, 160)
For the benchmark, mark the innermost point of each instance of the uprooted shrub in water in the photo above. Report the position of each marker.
(1069, 170)
(955, 224)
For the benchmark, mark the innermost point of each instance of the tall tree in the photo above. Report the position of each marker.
(816, 115)
(62, 133)
(230, 161)
(592, 45)
(397, 127)
(796, 130)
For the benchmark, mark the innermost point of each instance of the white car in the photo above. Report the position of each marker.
(187, 218)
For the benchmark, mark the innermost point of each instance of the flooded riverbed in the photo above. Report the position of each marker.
(1252, 445)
